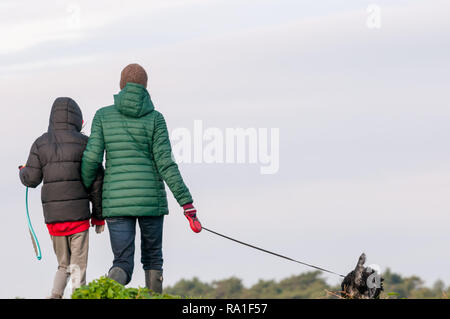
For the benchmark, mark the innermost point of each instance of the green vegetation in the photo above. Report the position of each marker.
(305, 285)
(105, 288)
(412, 287)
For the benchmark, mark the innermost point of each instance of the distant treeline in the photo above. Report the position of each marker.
(305, 285)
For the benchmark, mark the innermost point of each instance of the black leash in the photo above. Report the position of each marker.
(272, 253)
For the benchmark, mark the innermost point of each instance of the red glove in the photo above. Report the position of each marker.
(191, 214)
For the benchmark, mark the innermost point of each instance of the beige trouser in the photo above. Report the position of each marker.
(72, 255)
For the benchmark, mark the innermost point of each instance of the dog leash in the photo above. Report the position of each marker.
(272, 253)
(34, 240)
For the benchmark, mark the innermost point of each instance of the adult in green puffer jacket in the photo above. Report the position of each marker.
(138, 162)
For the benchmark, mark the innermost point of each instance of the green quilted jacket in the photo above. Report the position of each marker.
(138, 157)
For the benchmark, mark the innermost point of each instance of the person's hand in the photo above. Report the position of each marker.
(99, 228)
(98, 224)
(21, 166)
(191, 214)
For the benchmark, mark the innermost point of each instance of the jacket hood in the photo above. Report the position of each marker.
(133, 100)
(65, 115)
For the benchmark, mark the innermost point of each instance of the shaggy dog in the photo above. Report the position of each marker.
(362, 283)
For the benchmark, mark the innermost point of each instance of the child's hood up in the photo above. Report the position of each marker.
(65, 115)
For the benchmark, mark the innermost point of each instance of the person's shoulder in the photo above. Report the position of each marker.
(41, 140)
(105, 110)
(157, 114)
(42, 137)
(84, 138)
(151, 117)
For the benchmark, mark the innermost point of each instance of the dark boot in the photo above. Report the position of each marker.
(153, 280)
(119, 275)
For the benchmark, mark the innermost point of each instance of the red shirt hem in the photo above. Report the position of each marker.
(68, 228)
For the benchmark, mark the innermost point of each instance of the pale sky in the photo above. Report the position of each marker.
(363, 117)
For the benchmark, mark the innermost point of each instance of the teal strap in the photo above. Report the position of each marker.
(37, 248)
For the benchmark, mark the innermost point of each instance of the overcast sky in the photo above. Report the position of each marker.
(362, 112)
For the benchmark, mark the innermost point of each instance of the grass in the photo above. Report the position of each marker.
(105, 288)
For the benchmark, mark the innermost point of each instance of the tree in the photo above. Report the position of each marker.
(191, 288)
(228, 288)
(305, 285)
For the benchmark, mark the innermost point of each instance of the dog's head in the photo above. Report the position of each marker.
(362, 282)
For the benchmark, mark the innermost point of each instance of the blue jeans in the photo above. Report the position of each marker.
(122, 233)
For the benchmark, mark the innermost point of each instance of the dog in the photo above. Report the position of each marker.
(362, 282)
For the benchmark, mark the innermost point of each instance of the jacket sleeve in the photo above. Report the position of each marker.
(95, 194)
(31, 174)
(93, 154)
(166, 166)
